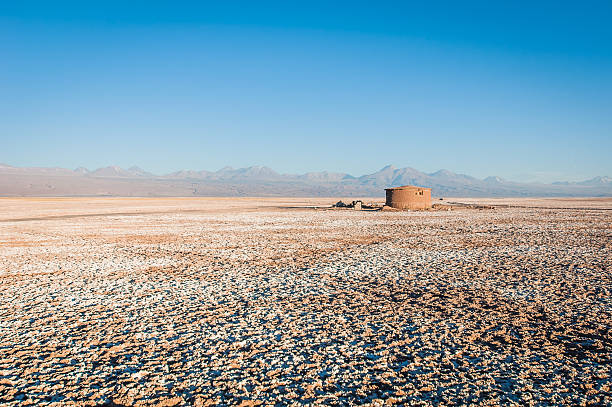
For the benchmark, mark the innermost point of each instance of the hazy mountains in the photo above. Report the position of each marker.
(263, 181)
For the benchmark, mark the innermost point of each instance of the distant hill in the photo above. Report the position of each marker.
(263, 181)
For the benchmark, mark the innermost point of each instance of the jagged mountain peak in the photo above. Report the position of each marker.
(111, 171)
(443, 173)
(494, 179)
(599, 180)
(139, 172)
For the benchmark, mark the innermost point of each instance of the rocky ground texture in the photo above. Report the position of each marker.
(261, 305)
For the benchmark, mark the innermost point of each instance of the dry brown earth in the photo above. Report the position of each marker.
(242, 302)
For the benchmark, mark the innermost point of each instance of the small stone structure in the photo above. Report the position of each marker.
(357, 205)
(408, 197)
(353, 205)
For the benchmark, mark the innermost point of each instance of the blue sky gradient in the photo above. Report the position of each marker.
(518, 90)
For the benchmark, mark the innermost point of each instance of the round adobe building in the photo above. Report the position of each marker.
(408, 197)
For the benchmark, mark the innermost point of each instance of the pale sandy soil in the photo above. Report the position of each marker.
(27, 208)
(574, 203)
(254, 301)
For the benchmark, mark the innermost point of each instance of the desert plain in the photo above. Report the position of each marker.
(269, 301)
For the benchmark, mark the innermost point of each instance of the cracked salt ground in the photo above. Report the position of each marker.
(511, 306)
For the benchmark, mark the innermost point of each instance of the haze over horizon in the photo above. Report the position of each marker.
(135, 170)
(519, 91)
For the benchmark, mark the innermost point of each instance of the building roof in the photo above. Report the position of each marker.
(405, 187)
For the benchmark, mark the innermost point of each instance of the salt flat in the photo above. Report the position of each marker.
(212, 301)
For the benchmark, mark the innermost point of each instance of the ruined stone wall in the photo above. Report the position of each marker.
(409, 198)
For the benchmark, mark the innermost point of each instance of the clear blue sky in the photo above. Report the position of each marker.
(522, 90)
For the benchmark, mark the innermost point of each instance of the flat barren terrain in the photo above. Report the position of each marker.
(272, 302)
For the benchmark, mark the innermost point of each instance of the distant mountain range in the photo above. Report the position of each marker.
(263, 181)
